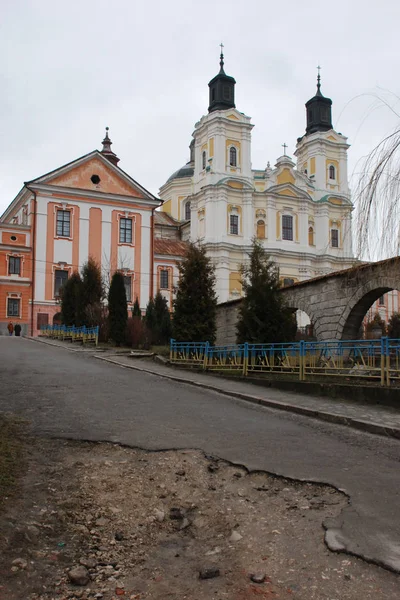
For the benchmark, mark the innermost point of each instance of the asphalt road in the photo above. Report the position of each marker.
(73, 395)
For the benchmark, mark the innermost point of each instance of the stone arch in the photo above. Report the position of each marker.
(294, 303)
(358, 305)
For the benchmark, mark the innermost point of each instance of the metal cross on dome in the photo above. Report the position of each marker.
(284, 146)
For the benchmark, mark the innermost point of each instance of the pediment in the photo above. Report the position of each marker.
(95, 173)
(289, 190)
(236, 184)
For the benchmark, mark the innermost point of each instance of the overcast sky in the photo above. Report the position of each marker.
(142, 68)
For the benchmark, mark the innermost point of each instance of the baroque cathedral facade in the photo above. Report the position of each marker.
(301, 213)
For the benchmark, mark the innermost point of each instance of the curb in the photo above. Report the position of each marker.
(359, 424)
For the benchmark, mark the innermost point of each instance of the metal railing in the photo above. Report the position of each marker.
(372, 360)
(74, 334)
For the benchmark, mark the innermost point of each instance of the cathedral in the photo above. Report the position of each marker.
(300, 212)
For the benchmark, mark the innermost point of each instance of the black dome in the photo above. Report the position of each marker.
(185, 171)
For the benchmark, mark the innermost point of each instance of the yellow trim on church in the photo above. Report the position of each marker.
(285, 177)
(211, 147)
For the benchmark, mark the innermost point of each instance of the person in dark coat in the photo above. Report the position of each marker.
(17, 329)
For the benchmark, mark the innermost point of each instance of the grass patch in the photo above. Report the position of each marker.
(10, 455)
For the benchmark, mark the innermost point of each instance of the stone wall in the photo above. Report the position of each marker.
(336, 304)
(227, 315)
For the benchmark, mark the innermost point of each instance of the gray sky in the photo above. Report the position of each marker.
(142, 68)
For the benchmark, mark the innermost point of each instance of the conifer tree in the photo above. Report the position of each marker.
(136, 312)
(92, 292)
(393, 329)
(149, 316)
(71, 301)
(263, 316)
(194, 317)
(117, 308)
(162, 320)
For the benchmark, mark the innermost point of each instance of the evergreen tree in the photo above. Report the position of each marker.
(149, 317)
(92, 292)
(393, 329)
(136, 312)
(194, 318)
(162, 320)
(372, 328)
(117, 308)
(71, 301)
(263, 315)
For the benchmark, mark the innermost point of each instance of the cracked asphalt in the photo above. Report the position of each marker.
(72, 395)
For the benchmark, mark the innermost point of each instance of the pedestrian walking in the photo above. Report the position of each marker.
(10, 328)
(17, 329)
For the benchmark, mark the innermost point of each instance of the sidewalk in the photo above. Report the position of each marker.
(382, 420)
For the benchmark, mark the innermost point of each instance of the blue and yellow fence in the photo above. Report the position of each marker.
(372, 360)
(86, 335)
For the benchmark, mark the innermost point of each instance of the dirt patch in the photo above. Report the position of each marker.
(11, 436)
(143, 525)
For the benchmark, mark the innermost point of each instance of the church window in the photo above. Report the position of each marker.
(227, 92)
(60, 278)
(335, 238)
(63, 223)
(13, 307)
(234, 224)
(260, 230)
(232, 156)
(310, 115)
(213, 94)
(164, 279)
(125, 231)
(204, 159)
(128, 287)
(311, 236)
(287, 227)
(382, 301)
(187, 211)
(287, 281)
(95, 179)
(332, 174)
(14, 265)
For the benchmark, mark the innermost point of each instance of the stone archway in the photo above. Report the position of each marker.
(354, 313)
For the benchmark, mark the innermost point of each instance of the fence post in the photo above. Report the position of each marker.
(205, 359)
(302, 374)
(383, 360)
(387, 344)
(245, 359)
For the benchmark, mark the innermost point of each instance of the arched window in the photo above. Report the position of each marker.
(332, 174)
(188, 212)
(233, 156)
(261, 230)
(204, 159)
(310, 236)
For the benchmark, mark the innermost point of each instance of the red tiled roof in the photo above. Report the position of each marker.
(170, 247)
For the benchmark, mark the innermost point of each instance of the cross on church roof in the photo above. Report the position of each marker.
(284, 146)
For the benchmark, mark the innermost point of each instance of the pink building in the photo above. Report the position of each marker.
(88, 207)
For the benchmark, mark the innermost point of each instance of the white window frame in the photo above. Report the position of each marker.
(18, 301)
